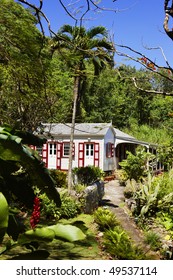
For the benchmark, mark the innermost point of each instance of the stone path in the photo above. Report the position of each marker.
(114, 199)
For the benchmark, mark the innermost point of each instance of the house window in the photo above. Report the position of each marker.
(109, 150)
(89, 150)
(52, 149)
(66, 149)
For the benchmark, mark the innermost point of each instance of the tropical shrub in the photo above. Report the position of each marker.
(147, 198)
(131, 188)
(105, 219)
(155, 195)
(59, 177)
(135, 165)
(118, 244)
(70, 207)
(21, 168)
(115, 239)
(87, 175)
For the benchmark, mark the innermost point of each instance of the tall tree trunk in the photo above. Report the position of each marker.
(75, 96)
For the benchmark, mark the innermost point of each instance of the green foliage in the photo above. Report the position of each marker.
(59, 177)
(14, 157)
(105, 219)
(69, 206)
(166, 220)
(131, 188)
(87, 175)
(165, 154)
(147, 197)
(47, 234)
(118, 244)
(67, 232)
(79, 188)
(155, 195)
(23, 67)
(153, 239)
(135, 165)
(4, 216)
(115, 239)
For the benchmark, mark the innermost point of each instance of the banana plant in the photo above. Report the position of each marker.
(15, 155)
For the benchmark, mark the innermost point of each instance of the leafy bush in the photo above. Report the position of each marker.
(118, 244)
(59, 177)
(122, 176)
(153, 239)
(131, 188)
(147, 198)
(155, 195)
(105, 219)
(135, 165)
(69, 206)
(87, 175)
(49, 210)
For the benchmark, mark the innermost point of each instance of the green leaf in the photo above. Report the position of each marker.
(11, 150)
(39, 234)
(67, 232)
(3, 216)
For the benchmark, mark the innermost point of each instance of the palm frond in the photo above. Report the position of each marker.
(96, 31)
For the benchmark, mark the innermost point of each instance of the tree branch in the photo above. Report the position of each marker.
(150, 91)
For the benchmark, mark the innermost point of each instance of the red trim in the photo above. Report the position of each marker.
(73, 153)
(80, 154)
(96, 154)
(109, 150)
(59, 155)
(112, 150)
(45, 154)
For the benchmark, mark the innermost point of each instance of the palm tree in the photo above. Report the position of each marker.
(79, 46)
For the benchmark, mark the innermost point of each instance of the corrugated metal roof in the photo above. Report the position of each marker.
(89, 129)
(120, 134)
(80, 128)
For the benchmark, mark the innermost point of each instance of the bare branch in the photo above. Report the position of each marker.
(150, 91)
(139, 60)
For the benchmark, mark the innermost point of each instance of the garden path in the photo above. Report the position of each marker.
(115, 201)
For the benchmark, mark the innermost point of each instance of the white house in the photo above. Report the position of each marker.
(93, 145)
(97, 144)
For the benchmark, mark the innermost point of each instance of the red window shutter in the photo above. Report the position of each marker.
(112, 150)
(59, 155)
(45, 154)
(81, 155)
(109, 150)
(96, 154)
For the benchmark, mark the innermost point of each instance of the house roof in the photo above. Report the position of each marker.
(89, 129)
(122, 137)
(82, 129)
(120, 134)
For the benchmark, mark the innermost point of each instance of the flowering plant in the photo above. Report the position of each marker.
(35, 217)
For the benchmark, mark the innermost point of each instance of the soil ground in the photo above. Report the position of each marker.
(115, 201)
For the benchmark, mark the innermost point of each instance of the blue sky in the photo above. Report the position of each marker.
(137, 24)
